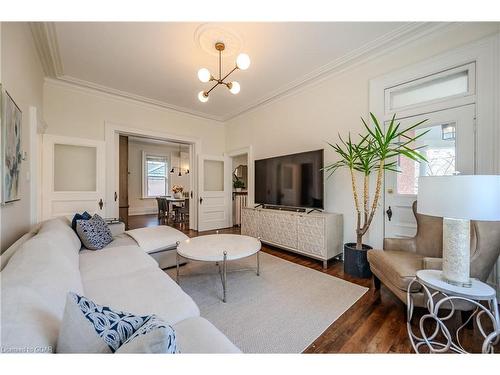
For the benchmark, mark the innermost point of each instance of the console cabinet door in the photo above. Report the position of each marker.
(250, 223)
(279, 228)
(311, 235)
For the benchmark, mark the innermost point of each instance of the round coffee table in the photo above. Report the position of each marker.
(219, 248)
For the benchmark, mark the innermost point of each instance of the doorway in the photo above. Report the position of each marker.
(239, 186)
(154, 182)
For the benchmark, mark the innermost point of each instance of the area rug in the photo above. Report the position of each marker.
(281, 311)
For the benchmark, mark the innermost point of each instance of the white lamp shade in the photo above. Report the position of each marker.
(202, 98)
(470, 197)
(235, 88)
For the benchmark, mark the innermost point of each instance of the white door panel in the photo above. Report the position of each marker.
(450, 149)
(214, 192)
(73, 176)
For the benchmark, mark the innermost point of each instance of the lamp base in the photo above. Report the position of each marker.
(456, 251)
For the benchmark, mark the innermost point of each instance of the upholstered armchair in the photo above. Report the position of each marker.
(396, 265)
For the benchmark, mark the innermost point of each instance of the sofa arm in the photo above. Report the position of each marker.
(429, 263)
(400, 244)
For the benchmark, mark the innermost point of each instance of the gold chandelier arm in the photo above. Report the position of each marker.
(227, 75)
(214, 86)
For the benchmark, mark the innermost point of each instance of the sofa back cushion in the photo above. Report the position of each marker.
(7, 254)
(34, 287)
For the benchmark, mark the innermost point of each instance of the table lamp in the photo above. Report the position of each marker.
(459, 199)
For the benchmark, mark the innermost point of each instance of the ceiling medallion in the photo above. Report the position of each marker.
(204, 75)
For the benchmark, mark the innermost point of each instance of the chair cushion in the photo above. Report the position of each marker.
(399, 267)
(198, 335)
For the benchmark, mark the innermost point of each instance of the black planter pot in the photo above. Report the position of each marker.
(355, 261)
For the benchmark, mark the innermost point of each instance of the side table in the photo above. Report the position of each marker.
(441, 295)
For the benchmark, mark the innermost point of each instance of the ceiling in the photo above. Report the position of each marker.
(158, 62)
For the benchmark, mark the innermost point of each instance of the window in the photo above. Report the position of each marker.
(444, 85)
(155, 174)
(440, 155)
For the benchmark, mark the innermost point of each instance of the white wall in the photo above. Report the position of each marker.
(78, 112)
(306, 119)
(22, 77)
(138, 205)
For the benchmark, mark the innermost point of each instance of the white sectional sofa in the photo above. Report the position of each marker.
(49, 262)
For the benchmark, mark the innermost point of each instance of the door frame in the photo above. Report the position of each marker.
(250, 176)
(112, 133)
(485, 54)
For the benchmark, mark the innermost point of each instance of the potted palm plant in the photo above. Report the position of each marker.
(375, 152)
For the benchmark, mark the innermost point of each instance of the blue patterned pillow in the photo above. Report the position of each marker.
(84, 216)
(89, 327)
(94, 233)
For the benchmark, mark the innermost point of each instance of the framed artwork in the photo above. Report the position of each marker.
(11, 154)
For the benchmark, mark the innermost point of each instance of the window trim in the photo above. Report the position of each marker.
(145, 156)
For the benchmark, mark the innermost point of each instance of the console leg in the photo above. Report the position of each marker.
(325, 264)
(376, 282)
(258, 264)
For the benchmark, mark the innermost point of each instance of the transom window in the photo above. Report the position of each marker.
(451, 83)
(155, 172)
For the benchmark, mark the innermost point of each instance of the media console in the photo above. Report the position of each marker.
(317, 235)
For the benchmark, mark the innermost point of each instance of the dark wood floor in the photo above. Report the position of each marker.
(376, 323)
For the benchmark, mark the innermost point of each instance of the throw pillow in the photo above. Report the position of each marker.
(84, 216)
(91, 328)
(94, 233)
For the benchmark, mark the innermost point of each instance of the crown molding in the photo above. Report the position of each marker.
(44, 35)
(95, 89)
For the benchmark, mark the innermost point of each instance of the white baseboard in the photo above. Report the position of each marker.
(142, 211)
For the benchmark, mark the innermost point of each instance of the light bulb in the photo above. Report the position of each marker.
(235, 88)
(202, 97)
(243, 61)
(204, 75)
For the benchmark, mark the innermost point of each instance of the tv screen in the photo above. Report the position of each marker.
(292, 180)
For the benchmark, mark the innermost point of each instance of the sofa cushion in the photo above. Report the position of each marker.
(399, 267)
(34, 286)
(114, 262)
(91, 328)
(198, 335)
(145, 292)
(94, 233)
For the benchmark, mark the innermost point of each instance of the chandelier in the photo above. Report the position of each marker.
(204, 75)
(186, 170)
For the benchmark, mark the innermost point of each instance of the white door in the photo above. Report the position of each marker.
(73, 176)
(214, 192)
(450, 150)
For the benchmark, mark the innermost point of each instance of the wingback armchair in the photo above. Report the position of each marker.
(396, 265)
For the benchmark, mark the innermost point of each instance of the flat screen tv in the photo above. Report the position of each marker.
(292, 180)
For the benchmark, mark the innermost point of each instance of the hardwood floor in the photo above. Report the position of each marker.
(376, 323)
